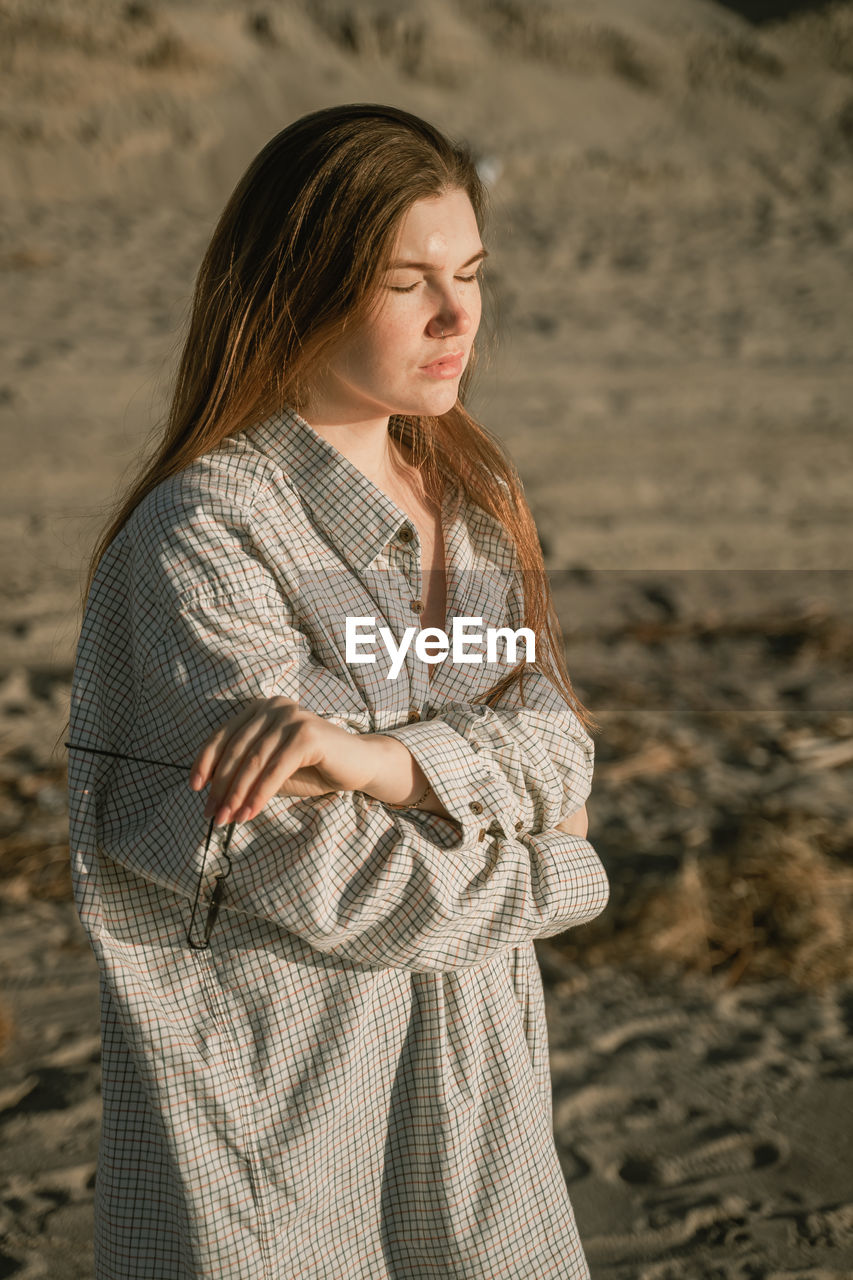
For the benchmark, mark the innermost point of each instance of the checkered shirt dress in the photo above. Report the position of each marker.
(352, 1081)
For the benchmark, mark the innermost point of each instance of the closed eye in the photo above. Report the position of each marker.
(397, 288)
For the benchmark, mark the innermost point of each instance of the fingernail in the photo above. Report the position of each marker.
(244, 814)
(223, 815)
(210, 807)
(195, 782)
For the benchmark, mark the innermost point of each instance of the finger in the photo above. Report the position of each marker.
(242, 757)
(282, 764)
(211, 749)
(245, 732)
(268, 718)
(203, 765)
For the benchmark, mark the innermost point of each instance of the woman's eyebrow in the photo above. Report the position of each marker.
(430, 266)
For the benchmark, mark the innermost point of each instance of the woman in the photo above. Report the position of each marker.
(335, 1062)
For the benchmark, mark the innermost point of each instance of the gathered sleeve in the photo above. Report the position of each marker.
(537, 752)
(539, 755)
(353, 878)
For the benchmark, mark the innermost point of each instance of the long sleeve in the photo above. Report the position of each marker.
(539, 755)
(354, 879)
(368, 884)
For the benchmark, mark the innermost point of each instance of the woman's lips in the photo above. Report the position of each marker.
(447, 367)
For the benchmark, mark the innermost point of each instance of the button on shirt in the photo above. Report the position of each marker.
(352, 1080)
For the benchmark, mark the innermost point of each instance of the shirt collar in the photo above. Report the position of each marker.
(352, 511)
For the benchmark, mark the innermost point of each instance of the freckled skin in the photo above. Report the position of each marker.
(377, 371)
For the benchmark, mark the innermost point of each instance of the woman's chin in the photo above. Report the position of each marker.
(437, 400)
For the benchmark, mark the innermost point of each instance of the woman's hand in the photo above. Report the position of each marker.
(576, 824)
(275, 746)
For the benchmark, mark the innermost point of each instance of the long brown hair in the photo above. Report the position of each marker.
(295, 259)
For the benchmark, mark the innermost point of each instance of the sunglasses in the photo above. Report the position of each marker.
(215, 899)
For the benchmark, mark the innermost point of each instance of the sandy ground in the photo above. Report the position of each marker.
(672, 245)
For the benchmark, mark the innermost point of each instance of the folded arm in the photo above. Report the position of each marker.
(537, 751)
(371, 885)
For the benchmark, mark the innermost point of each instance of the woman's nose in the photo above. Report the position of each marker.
(452, 318)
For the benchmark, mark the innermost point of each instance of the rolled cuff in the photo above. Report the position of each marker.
(474, 794)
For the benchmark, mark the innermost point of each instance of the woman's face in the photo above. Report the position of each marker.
(387, 366)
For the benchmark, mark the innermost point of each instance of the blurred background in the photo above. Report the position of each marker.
(671, 248)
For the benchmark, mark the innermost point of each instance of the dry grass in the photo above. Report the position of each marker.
(775, 905)
(29, 870)
(34, 862)
(7, 1029)
(781, 909)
